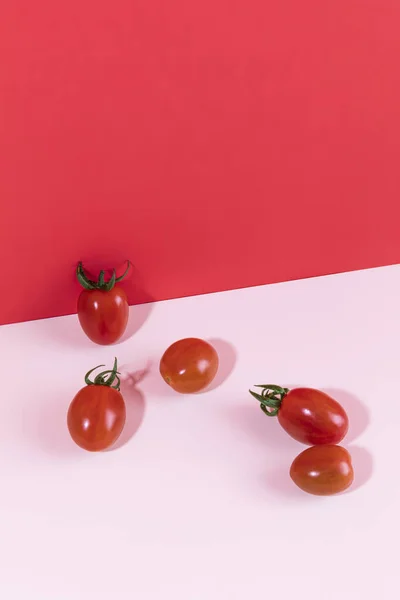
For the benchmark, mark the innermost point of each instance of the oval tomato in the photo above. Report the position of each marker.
(103, 309)
(309, 416)
(189, 365)
(96, 416)
(103, 315)
(323, 470)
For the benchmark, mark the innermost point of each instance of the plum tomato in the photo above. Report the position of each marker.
(189, 365)
(96, 416)
(307, 415)
(323, 470)
(103, 308)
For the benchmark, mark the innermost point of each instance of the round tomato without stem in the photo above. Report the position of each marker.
(96, 416)
(189, 365)
(103, 309)
(323, 470)
(309, 416)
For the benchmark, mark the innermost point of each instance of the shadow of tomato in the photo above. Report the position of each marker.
(135, 410)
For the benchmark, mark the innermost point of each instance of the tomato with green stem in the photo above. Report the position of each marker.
(308, 415)
(103, 308)
(323, 470)
(96, 416)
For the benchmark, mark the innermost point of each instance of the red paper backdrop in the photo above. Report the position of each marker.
(216, 143)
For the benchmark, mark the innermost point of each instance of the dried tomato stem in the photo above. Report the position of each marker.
(100, 284)
(106, 378)
(270, 398)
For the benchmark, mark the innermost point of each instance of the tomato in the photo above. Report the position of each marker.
(103, 309)
(103, 315)
(189, 365)
(309, 416)
(96, 416)
(323, 470)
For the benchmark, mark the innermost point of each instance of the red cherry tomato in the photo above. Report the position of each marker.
(96, 416)
(189, 365)
(309, 416)
(323, 470)
(103, 309)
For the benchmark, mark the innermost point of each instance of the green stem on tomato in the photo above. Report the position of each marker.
(270, 398)
(105, 378)
(100, 284)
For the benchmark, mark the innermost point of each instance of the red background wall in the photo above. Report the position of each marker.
(216, 143)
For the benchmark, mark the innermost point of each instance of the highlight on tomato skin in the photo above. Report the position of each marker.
(96, 415)
(189, 365)
(308, 415)
(323, 470)
(102, 308)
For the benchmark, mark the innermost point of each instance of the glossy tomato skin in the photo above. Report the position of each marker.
(189, 365)
(96, 417)
(103, 315)
(323, 470)
(312, 417)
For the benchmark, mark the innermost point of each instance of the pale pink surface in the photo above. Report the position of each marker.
(196, 503)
